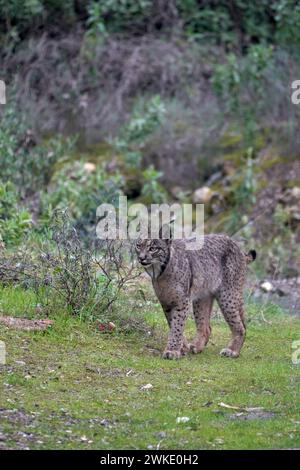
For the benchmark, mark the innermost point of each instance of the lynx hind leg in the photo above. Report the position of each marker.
(202, 311)
(231, 305)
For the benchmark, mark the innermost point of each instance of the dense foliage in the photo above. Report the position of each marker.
(152, 99)
(236, 24)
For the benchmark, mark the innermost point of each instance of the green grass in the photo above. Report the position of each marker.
(78, 388)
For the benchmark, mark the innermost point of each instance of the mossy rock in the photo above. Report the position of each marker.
(102, 152)
(230, 140)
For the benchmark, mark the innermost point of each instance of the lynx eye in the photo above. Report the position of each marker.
(152, 249)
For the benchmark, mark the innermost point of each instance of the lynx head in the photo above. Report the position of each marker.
(154, 252)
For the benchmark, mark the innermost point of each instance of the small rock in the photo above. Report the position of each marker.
(182, 419)
(282, 290)
(267, 286)
(161, 435)
(295, 192)
(219, 440)
(147, 387)
(202, 195)
(104, 422)
(89, 167)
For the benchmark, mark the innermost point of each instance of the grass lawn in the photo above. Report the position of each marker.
(73, 387)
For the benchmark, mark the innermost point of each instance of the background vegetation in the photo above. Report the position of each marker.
(179, 100)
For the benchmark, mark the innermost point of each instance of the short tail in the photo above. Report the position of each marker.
(251, 256)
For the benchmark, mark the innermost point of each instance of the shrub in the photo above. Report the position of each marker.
(79, 191)
(146, 118)
(14, 221)
(66, 273)
(241, 85)
(24, 162)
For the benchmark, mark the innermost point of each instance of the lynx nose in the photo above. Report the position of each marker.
(143, 259)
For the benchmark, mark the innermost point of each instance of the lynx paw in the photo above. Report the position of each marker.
(194, 349)
(185, 348)
(226, 352)
(169, 354)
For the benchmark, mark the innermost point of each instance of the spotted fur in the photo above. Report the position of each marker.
(190, 280)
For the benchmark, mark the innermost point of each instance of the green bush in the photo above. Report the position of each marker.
(80, 192)
(14, 221)
(146, 118)
(234, 25)
(23, 161)
(241, 84)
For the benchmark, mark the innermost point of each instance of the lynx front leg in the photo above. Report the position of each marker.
(202, 310)
(185, 345)
(177, 344)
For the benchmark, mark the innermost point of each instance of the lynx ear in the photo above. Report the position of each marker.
(165, 231)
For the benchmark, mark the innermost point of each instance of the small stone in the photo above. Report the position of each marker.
(283, 290)
(147, 387)
(182, 419)
(219, 440)
(104, 422)
(295, 192)
(267, 286)
(202, 195)
(89, 167)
